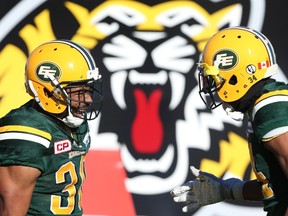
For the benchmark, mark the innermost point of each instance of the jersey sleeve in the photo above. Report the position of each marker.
(23, 145)
(270, 117)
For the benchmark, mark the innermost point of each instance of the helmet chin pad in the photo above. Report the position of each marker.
(70, 120)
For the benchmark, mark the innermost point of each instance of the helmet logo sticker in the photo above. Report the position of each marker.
(225, 59)
(44, 70)
(251, 69)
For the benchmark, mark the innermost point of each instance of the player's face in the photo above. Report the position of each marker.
(80, 100)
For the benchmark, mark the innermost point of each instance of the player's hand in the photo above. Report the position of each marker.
(204, 190)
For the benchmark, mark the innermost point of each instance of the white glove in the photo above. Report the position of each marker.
(206, 189)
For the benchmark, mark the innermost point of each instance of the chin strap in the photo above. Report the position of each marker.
(236, 115)
(70, 120)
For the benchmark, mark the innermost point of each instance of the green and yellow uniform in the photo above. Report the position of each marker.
(31, 138)
(267, 119)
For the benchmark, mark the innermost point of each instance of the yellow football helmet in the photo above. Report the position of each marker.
(55, 66)
(234, 60)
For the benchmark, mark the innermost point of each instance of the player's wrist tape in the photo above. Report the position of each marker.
(232, 189)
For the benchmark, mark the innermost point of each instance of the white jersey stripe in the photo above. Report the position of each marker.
(25, 136)
(276, 132)
(267, 101)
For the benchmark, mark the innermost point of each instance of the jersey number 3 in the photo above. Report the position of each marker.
(68, 168)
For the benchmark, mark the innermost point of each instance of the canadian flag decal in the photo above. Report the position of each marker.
(263, 64)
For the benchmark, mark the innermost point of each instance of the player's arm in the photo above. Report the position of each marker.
(279, 147)
(16, 188)
(252, 191)
(208, 189)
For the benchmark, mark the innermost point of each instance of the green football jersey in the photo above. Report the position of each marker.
(267, 119)
(31, 138)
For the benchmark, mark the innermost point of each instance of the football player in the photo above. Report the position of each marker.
(235, 70)
(44, 142)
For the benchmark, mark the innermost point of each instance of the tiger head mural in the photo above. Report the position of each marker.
(150, 54)
(147, 53)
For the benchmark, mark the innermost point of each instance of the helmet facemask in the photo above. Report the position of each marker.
(84, 101)
(209, 82)
(79, 89)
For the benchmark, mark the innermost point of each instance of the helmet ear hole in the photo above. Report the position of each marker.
(233, 80)
(47, 93)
